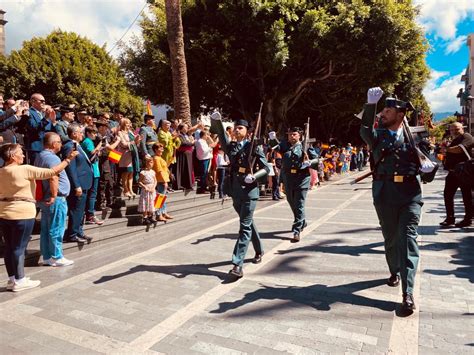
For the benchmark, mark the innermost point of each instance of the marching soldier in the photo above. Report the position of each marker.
(396, 189)
(149, 136)
(295, 175)
(242, 186)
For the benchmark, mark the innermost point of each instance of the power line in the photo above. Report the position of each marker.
(128, 29)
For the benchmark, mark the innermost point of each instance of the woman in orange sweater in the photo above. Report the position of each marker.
(18, 209)
(160, 166)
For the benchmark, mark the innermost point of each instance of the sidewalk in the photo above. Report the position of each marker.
(168, 293)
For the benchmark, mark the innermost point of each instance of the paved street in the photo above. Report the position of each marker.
(166, 291)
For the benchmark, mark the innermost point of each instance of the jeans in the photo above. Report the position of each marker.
(160, 188)
(452, 185)
(53, 224)
(91, 197)
(17, 234)
(204, 169)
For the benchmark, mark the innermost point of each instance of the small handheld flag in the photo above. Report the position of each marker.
(114, 156)
(159, 201)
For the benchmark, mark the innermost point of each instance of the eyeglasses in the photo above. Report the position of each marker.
(42, 101)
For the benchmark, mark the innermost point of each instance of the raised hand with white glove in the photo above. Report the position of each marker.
(272, 135)
(216, 116)
(374, 95)
(427, 166)
(249, 179)
(305, 164)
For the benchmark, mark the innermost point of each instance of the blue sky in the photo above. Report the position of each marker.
(446, 24)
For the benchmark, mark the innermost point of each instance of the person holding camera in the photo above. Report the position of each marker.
(92, 146)
(106, 181)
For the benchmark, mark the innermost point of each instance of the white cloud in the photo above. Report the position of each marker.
(441, 17)
(441, 94)
(455, 45)
(102, 21)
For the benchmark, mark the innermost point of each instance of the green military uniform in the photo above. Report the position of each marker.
(244, 196)
(296, 179)
(149, 137)
(61, 129)
(397, 196)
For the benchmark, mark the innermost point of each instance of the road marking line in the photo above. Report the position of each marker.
(172, 323)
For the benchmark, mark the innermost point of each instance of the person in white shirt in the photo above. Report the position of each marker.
(204, 156)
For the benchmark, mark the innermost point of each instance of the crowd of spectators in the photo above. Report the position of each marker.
(108, 159)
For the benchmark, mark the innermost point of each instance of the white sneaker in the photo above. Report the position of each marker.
(47, 262)
(25, 284)
(61, 262)
(10, 284)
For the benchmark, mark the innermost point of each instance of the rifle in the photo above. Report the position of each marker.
(306, 140)
(362, 177)
(255, 140)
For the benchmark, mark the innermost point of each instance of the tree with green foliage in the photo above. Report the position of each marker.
(68, 69)
(299, 57)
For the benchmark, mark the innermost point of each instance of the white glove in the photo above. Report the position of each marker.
(249, 179)
(272, 135)
(216, 116)
(374, 95)
(306, 164)
(427, 166)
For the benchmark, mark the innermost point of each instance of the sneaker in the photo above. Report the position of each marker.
(25, 284)
(61, 262)
(47, 262)
(10, 284)
(94, 220)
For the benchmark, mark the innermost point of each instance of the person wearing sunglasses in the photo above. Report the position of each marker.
(42, 119)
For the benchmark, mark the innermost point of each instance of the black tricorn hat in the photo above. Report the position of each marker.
(398, 104)
(148, 117)
(295, 129)
(241, 122)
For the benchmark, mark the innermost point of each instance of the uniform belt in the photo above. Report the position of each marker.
(395, 178)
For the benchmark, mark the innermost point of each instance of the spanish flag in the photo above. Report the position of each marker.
(114, 156)
(159, 201)
(148, 108)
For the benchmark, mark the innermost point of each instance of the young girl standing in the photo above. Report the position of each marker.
(147, 182)
(163, 177)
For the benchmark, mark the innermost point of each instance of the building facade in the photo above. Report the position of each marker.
(466, 95)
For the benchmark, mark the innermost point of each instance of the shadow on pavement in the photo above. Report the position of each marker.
(267, 235)
(464, 258)
(325, 247)
(178, 271)
(317, 296)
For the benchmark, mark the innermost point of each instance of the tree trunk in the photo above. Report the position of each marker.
(174, 27)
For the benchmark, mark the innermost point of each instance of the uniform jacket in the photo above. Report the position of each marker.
(149, 137)
(239, 165)
(291, 172)
(396, 157)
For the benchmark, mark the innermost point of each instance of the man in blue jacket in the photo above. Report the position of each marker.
(80, 175)
(42, 119)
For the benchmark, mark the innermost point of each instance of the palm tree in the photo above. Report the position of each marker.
(174, 27)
